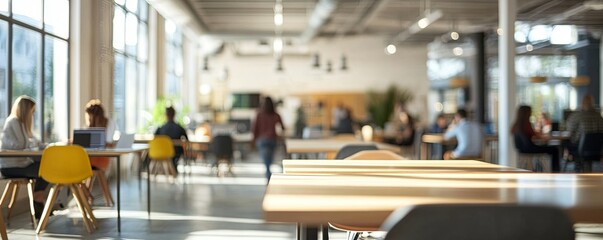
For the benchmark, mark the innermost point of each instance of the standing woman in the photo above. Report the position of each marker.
(18, 135)
(95, 117)
(264, 132)
(523, 133)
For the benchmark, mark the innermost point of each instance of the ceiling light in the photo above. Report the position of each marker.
(390, 49)
(278, 13)
(457, 51)
(579, 81)
(537, 79)
(529, 47)
(316, 61)
(278, 19)
(564, 34)
(454, 35)
(277, 45)
(344, 63)
(423, 23)
(429, 18)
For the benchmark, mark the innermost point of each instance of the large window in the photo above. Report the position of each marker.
(130, 41)
(173, 60)
(34, 50)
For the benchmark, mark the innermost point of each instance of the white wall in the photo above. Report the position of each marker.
(368, 68)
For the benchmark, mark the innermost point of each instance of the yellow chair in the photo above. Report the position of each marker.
(161, 151)
(12, 187)
(66, 166)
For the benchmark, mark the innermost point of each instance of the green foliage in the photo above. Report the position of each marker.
(381, 105)
(157, 114)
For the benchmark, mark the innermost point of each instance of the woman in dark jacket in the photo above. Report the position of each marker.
(264, 132)
(523, 133)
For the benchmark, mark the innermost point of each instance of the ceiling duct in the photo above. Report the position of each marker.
(422, 23)
(320, 15)
(577, 9)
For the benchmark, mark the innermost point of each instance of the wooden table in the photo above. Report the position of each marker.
(106, 152)
(392, 167)
(329, 146)
(367, 200)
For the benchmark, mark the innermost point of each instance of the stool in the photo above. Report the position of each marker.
(13, 187)
(535, 162)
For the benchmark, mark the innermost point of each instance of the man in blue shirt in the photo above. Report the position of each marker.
(469, 137)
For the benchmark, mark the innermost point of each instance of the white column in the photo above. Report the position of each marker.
(507, 11)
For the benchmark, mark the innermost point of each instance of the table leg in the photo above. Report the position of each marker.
(118, 194)
(149, 189)
(305, 232)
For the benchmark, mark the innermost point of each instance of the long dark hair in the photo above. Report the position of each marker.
(97, 114)
(268, 105)
(522, 119)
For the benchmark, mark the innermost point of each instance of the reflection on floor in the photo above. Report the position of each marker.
(198, 206)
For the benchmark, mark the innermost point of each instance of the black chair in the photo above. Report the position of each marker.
(589, 150)
(478, 221)
(351, 149)
(222, 149)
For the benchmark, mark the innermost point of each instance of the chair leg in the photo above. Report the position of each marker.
(52, 197)
(88, 214)
(3, 234)
(102, 182)
(80, 203)
(30, 193)
(13, 198)
(8, 189)
(88, 208)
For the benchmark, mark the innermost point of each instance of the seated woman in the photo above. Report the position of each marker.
(18, 135)
(95, 117)
(523, 134)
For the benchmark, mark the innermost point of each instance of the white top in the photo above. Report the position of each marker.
(15, 138)
(469, 137)
(110, 130)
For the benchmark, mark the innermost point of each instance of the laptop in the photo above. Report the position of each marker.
(90, 138)
(125, 140)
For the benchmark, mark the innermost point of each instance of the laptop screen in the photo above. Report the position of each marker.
(90, 137)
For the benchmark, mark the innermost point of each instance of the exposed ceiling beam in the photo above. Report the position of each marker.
(359, 25)
(318, 18)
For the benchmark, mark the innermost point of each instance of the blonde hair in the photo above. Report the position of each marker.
(96, 114)
(23, 110)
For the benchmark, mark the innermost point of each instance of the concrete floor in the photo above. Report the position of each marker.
(197, 206)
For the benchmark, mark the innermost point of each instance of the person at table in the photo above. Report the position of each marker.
(543, 123)
(587, 120)
(172, 129)
(264, 132)
(469, 136)
(439, 126)
(95, 117)
(524, 136)
(18, 135)
(346, 124)
(404, 126)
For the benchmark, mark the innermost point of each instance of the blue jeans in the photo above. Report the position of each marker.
(266, 149)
